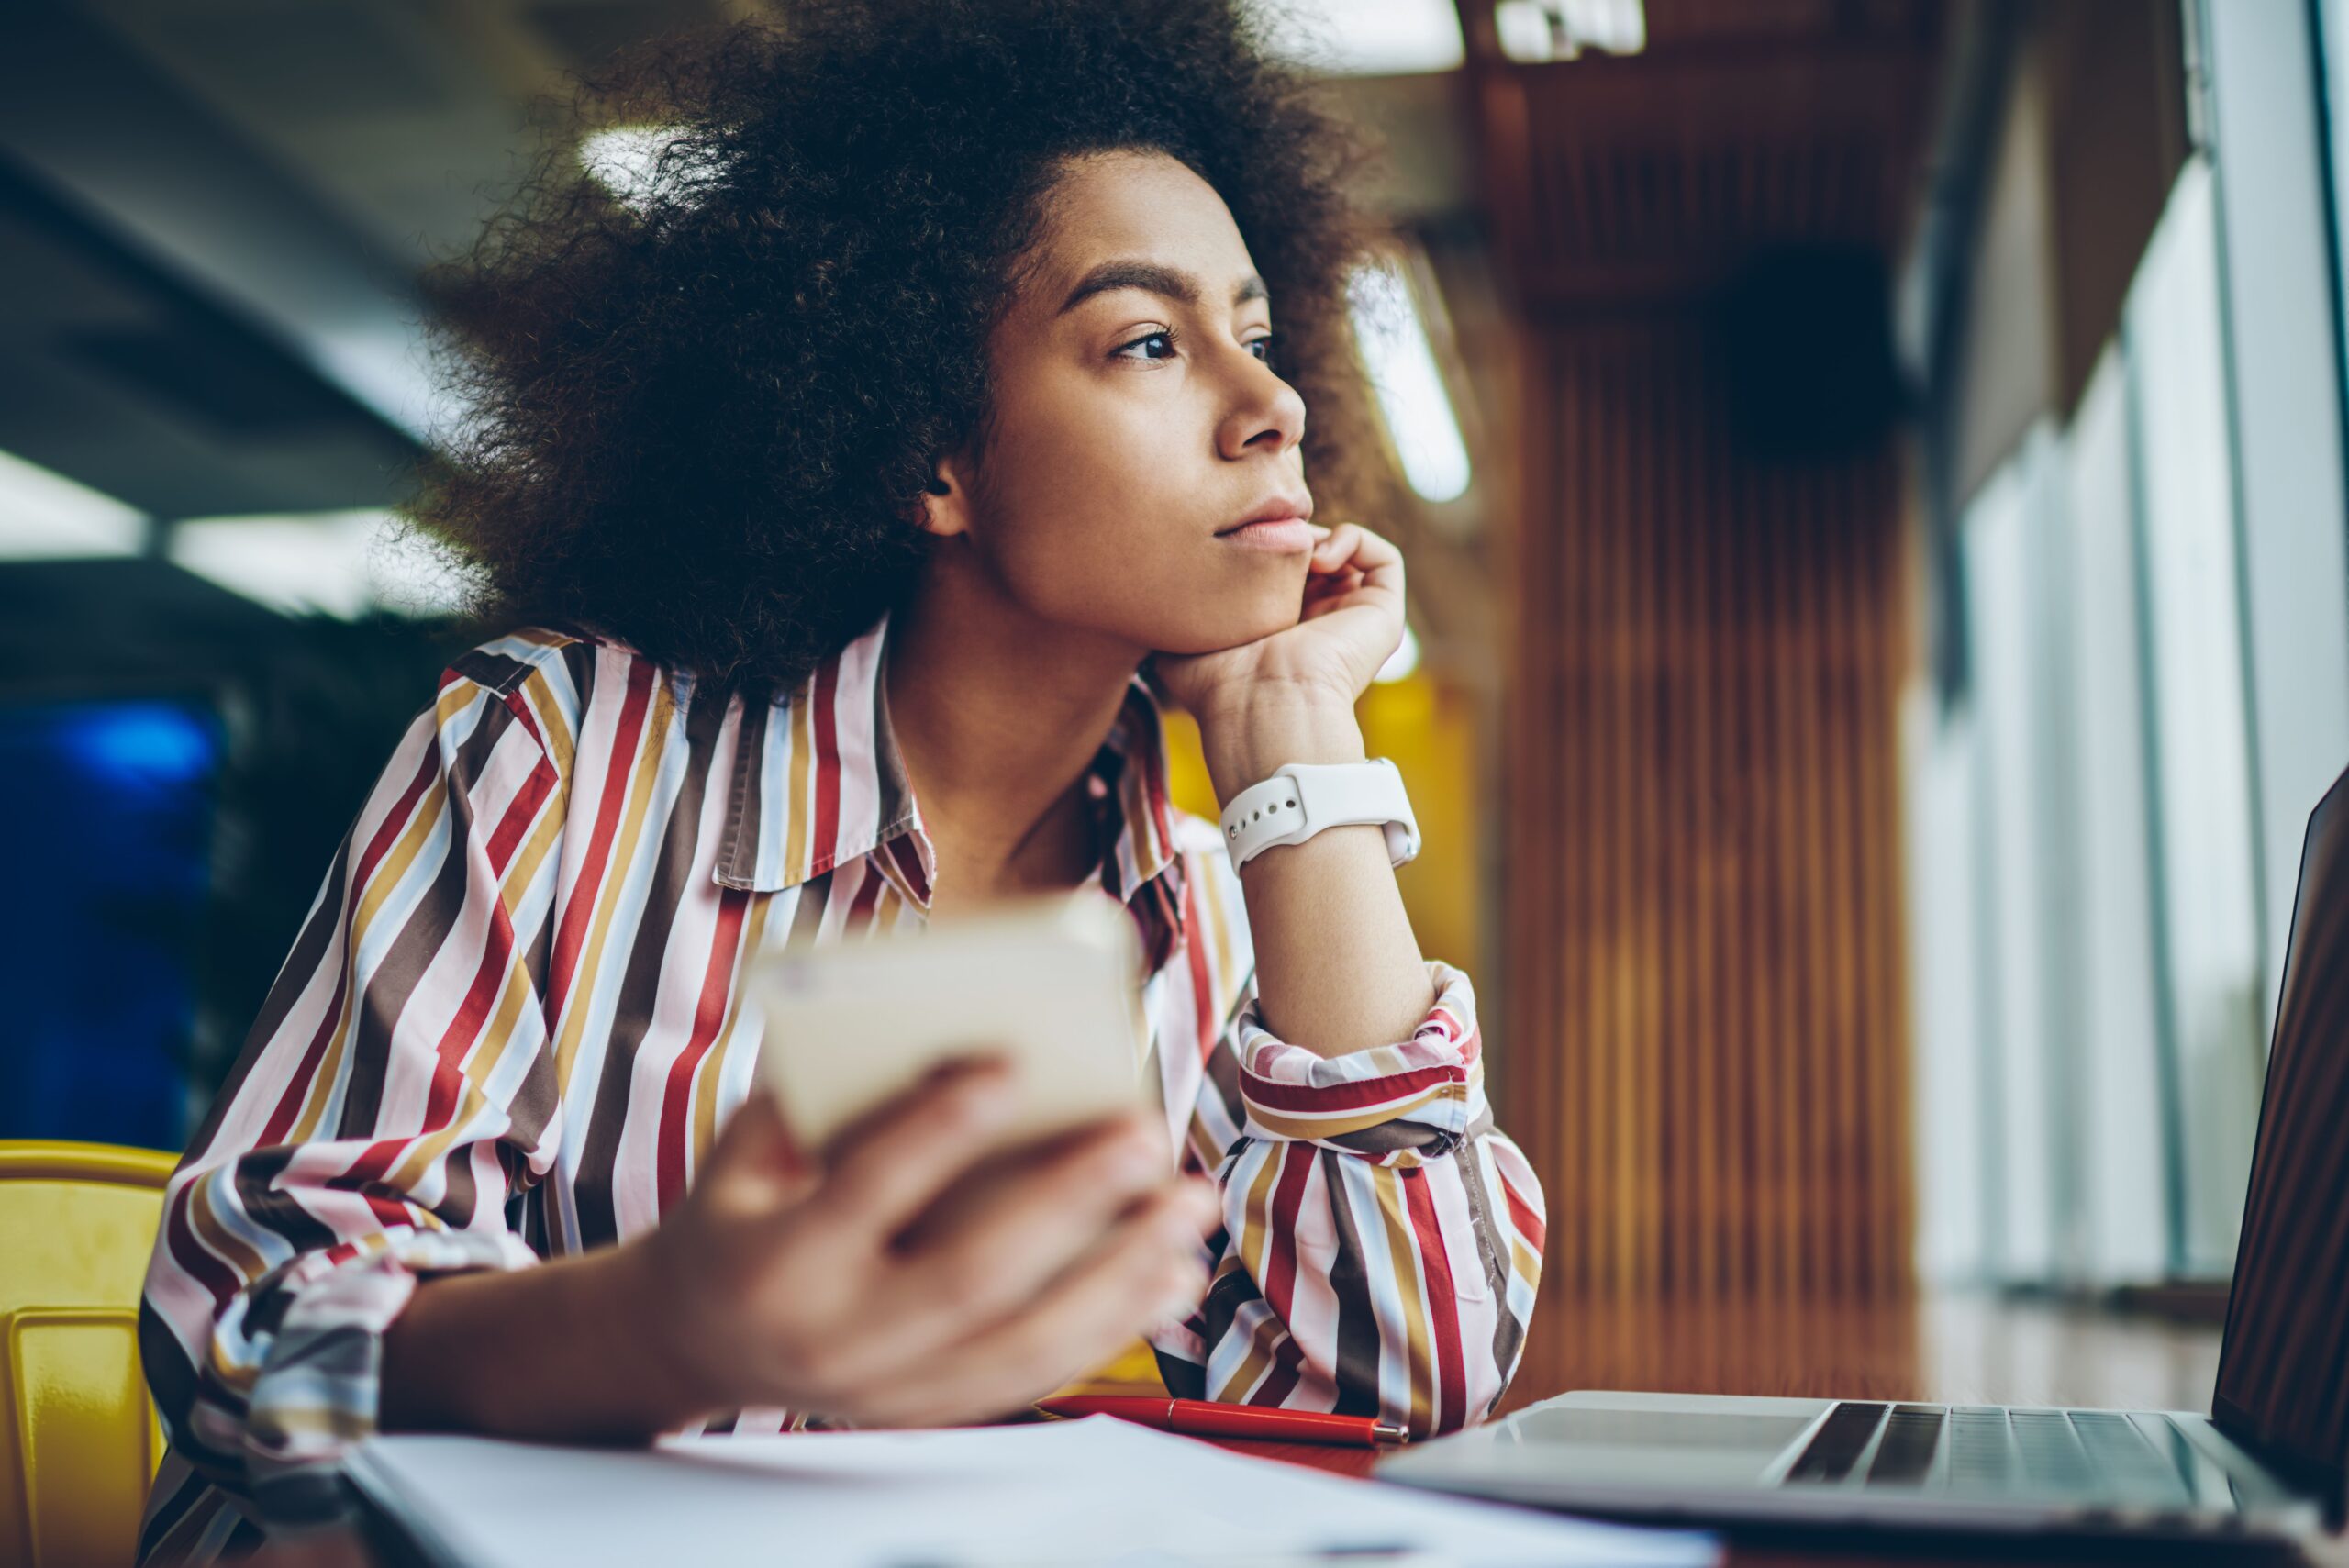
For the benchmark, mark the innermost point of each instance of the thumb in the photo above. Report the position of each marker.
(753, 1165)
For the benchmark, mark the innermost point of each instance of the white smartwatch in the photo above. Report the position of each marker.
(1302, 798)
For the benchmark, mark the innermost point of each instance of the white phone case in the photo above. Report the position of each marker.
(1053, 984)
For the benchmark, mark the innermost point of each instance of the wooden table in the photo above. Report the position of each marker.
(1945, 1349)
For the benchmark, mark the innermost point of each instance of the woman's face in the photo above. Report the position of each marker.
(1138, 419)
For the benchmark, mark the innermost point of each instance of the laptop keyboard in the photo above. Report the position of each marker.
(1990, 1449)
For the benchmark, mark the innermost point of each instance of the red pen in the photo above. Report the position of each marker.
(1206, 1418)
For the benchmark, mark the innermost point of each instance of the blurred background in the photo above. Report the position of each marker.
(1881, 597)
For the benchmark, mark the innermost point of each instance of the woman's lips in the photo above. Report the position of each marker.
(1281, 536)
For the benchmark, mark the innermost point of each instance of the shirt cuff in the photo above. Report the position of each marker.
(317, 1387)
(1397, 1105)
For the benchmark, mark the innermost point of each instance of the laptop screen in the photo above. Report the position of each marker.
(2283, 1386)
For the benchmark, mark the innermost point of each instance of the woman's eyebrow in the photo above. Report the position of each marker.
(1155, 279)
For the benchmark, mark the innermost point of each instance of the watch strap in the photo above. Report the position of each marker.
(1302, 798)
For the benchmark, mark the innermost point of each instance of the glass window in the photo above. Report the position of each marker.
(2014, 837)
(2205, 880)
(2122, 1119)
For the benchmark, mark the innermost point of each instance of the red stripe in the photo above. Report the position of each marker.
(1279, 1382)
(1279, 1096)
(388, 1212)
(1154, 775)
(1469, 1046)
(386, 834)
(520, 815)
(457, 1039)
(1280, 1276)
(1209, 1017)
(519, 707)
(676, 1098)
(582, 905)
(364, 1179)
(368, 1168)
(1521, 1214)
(826, 846)
(1288, 1195)
(217, 1277)
(868, 895)
(289, 1103)
(1443, 1303)
(908, 859)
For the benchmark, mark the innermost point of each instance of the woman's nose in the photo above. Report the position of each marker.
(1268, 416)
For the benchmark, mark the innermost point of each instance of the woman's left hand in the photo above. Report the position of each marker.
(1353, 621)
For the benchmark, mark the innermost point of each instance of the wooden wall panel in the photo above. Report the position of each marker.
(1704, 1024)
(1700, 1028)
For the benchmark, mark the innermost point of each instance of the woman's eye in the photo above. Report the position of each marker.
(1159, 346)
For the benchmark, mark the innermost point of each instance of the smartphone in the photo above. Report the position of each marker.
(1051, 984)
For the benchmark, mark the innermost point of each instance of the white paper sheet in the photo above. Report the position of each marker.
(1095, 1491)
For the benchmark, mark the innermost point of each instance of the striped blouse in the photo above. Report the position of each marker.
(514, 1019)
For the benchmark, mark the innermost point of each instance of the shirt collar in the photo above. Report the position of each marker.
(818, 782)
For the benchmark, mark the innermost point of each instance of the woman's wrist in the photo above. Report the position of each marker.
(672, 1386)
(576, 1348)
(1246, 737)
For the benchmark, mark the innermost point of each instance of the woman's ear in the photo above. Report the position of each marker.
(946, 499)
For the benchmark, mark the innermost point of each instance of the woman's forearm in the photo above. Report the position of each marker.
(560, 1350)
(1338, 967)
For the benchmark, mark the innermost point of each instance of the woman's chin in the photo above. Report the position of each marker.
(1227, 628)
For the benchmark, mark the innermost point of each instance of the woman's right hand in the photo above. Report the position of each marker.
(774, 1283)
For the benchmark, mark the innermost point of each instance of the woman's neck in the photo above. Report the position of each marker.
(998, 715)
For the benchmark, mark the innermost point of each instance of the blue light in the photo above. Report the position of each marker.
(152, 743)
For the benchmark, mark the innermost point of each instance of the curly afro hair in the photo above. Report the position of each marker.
(699, 415)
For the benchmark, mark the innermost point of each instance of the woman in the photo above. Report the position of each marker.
(850, 482)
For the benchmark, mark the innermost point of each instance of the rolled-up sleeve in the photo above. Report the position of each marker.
(392, 1097)
(1382, 1241)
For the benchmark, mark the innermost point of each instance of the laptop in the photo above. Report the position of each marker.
(2269, 1462)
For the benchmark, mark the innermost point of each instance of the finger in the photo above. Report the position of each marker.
(1339, 590)
(1334, 546)
(1351, 543)
(1347, 580)
(754, 1166)
(999, 1238)
(1152, 1267)
(1373, 549)
(1377, 560)
(895, 1163)
(1348, 542)
(1027, 1228)
(1155, 1269)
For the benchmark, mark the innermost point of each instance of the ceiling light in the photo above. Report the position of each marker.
(1364, 38)
(1533, 31)
(46, 517)
(1411, 397)
(345, 563)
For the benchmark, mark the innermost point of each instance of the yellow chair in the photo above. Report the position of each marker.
(79, 1441)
